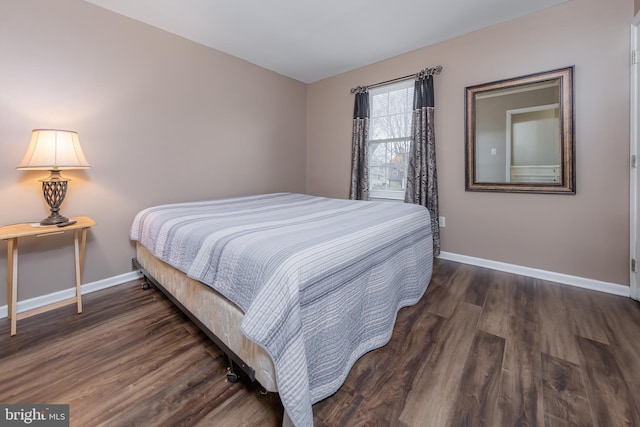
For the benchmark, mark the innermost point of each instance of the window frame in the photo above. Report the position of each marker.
(405, 84)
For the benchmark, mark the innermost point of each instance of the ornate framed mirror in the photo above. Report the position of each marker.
(519, 134)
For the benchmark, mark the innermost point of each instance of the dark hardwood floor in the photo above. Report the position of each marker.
(481, 348)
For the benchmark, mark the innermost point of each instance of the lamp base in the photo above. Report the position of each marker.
(54, 188)
(54, 220)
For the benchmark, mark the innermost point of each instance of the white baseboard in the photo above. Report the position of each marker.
(87, 288)
(564, 279)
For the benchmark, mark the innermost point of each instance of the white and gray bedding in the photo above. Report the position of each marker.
(319, 280)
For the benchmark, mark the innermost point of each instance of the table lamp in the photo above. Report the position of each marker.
(54, 150)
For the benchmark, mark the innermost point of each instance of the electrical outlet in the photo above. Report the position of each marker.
(441, 221)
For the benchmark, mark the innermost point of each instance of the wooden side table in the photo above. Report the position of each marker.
(11, 233)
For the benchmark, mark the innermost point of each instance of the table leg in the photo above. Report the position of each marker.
(83, 244)
(12, 281)
(9, 275)
(79, 256)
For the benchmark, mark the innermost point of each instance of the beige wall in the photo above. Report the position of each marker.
(585, 235)
(160, 119)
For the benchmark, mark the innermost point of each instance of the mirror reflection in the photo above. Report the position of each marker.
(519, 134)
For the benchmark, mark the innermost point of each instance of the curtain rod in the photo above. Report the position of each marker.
(427, 71)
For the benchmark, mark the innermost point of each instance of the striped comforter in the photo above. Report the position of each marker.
(320, 280)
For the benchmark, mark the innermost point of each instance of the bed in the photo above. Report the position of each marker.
(294, 288)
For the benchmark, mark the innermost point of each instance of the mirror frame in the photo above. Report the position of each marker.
(567, 148)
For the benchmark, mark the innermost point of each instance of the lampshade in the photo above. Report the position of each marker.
(51, 149)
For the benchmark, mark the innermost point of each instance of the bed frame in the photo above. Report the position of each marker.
(216, 316)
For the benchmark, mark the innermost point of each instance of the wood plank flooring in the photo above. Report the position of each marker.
(482, 348)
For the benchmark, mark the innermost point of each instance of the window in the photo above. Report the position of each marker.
(389, 139)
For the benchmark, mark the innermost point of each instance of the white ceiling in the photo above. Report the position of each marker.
(310, 40)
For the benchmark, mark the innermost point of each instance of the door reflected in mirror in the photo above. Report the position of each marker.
(519, 134)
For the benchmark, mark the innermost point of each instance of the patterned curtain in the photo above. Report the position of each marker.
(359, 146)
(422, 182)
